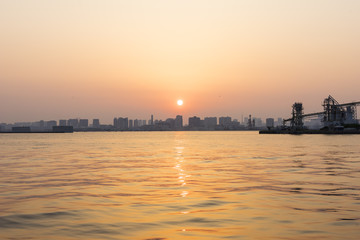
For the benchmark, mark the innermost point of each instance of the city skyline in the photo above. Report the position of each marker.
(89, 58)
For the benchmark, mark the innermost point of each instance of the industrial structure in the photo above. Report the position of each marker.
(334, 115)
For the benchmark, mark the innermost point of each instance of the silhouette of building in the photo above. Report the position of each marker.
(258, 122)
(73, 122)
(123, 123)
(270, 122)
(179, 122)
(225, 122)
(84, 123)
(50, 124)
(131, 123)
(96, 123)
(62, 122)
(115, 123)
(194, 122)
(170, 122)
(210, 122)
(152, 120)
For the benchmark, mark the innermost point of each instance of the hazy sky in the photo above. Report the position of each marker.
(100, 59)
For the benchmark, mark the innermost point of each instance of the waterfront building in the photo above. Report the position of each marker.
(84, 123)
(73, 122)
(123, 123)
(225, 122)
(270, 123)
(62, 122)
(170, 122)
(194, 122)
(96, 123)
(50, 124)
(210, 122)
(178, 122)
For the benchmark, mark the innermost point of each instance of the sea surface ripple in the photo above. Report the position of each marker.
(179, 185)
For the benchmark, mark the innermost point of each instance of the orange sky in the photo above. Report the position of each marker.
(100, 59)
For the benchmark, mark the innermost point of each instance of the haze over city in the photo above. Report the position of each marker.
(95, 59)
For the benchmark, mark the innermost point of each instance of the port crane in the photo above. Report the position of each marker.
(334, 114)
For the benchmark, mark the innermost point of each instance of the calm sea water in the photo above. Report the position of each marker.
(179, 185)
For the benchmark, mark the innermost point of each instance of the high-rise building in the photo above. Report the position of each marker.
(210, 122)
(136, 123)
(83, 123)
(152, 120)
(123, 123)
(170, 122)
(115, 122)
(194, 122)
(73, 122)
(178, 122)
(270, 122)
(258, 122)
(96, 123)
(131, 125)
(50, 124)
(62, 122)
(225, 121)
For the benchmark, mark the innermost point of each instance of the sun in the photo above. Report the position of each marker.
(180, 102)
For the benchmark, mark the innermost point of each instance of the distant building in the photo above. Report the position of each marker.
(179, 122)
(36, 125)
(115, 123)
(152, 120)
(170, 122)
(21, 129)
(50, 124)
(225, 122)
(62, 122)
(258, 122)
(84, 123)
(123, 123)
(270, 123)
(210, 122)
(136, 123)
(73, 122)
(194, 122)
(131, 125)
(96, 123)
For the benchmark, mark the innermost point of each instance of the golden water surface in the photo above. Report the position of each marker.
(179, 185)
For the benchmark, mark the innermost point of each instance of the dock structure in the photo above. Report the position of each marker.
(335, 118)
(334, 114)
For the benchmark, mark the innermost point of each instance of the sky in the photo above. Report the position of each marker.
(104, 59)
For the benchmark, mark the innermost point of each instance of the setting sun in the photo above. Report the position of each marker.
(180, 102)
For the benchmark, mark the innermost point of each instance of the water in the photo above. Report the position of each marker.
(179, 185)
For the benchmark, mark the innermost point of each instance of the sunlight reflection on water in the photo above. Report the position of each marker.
(179, 185)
